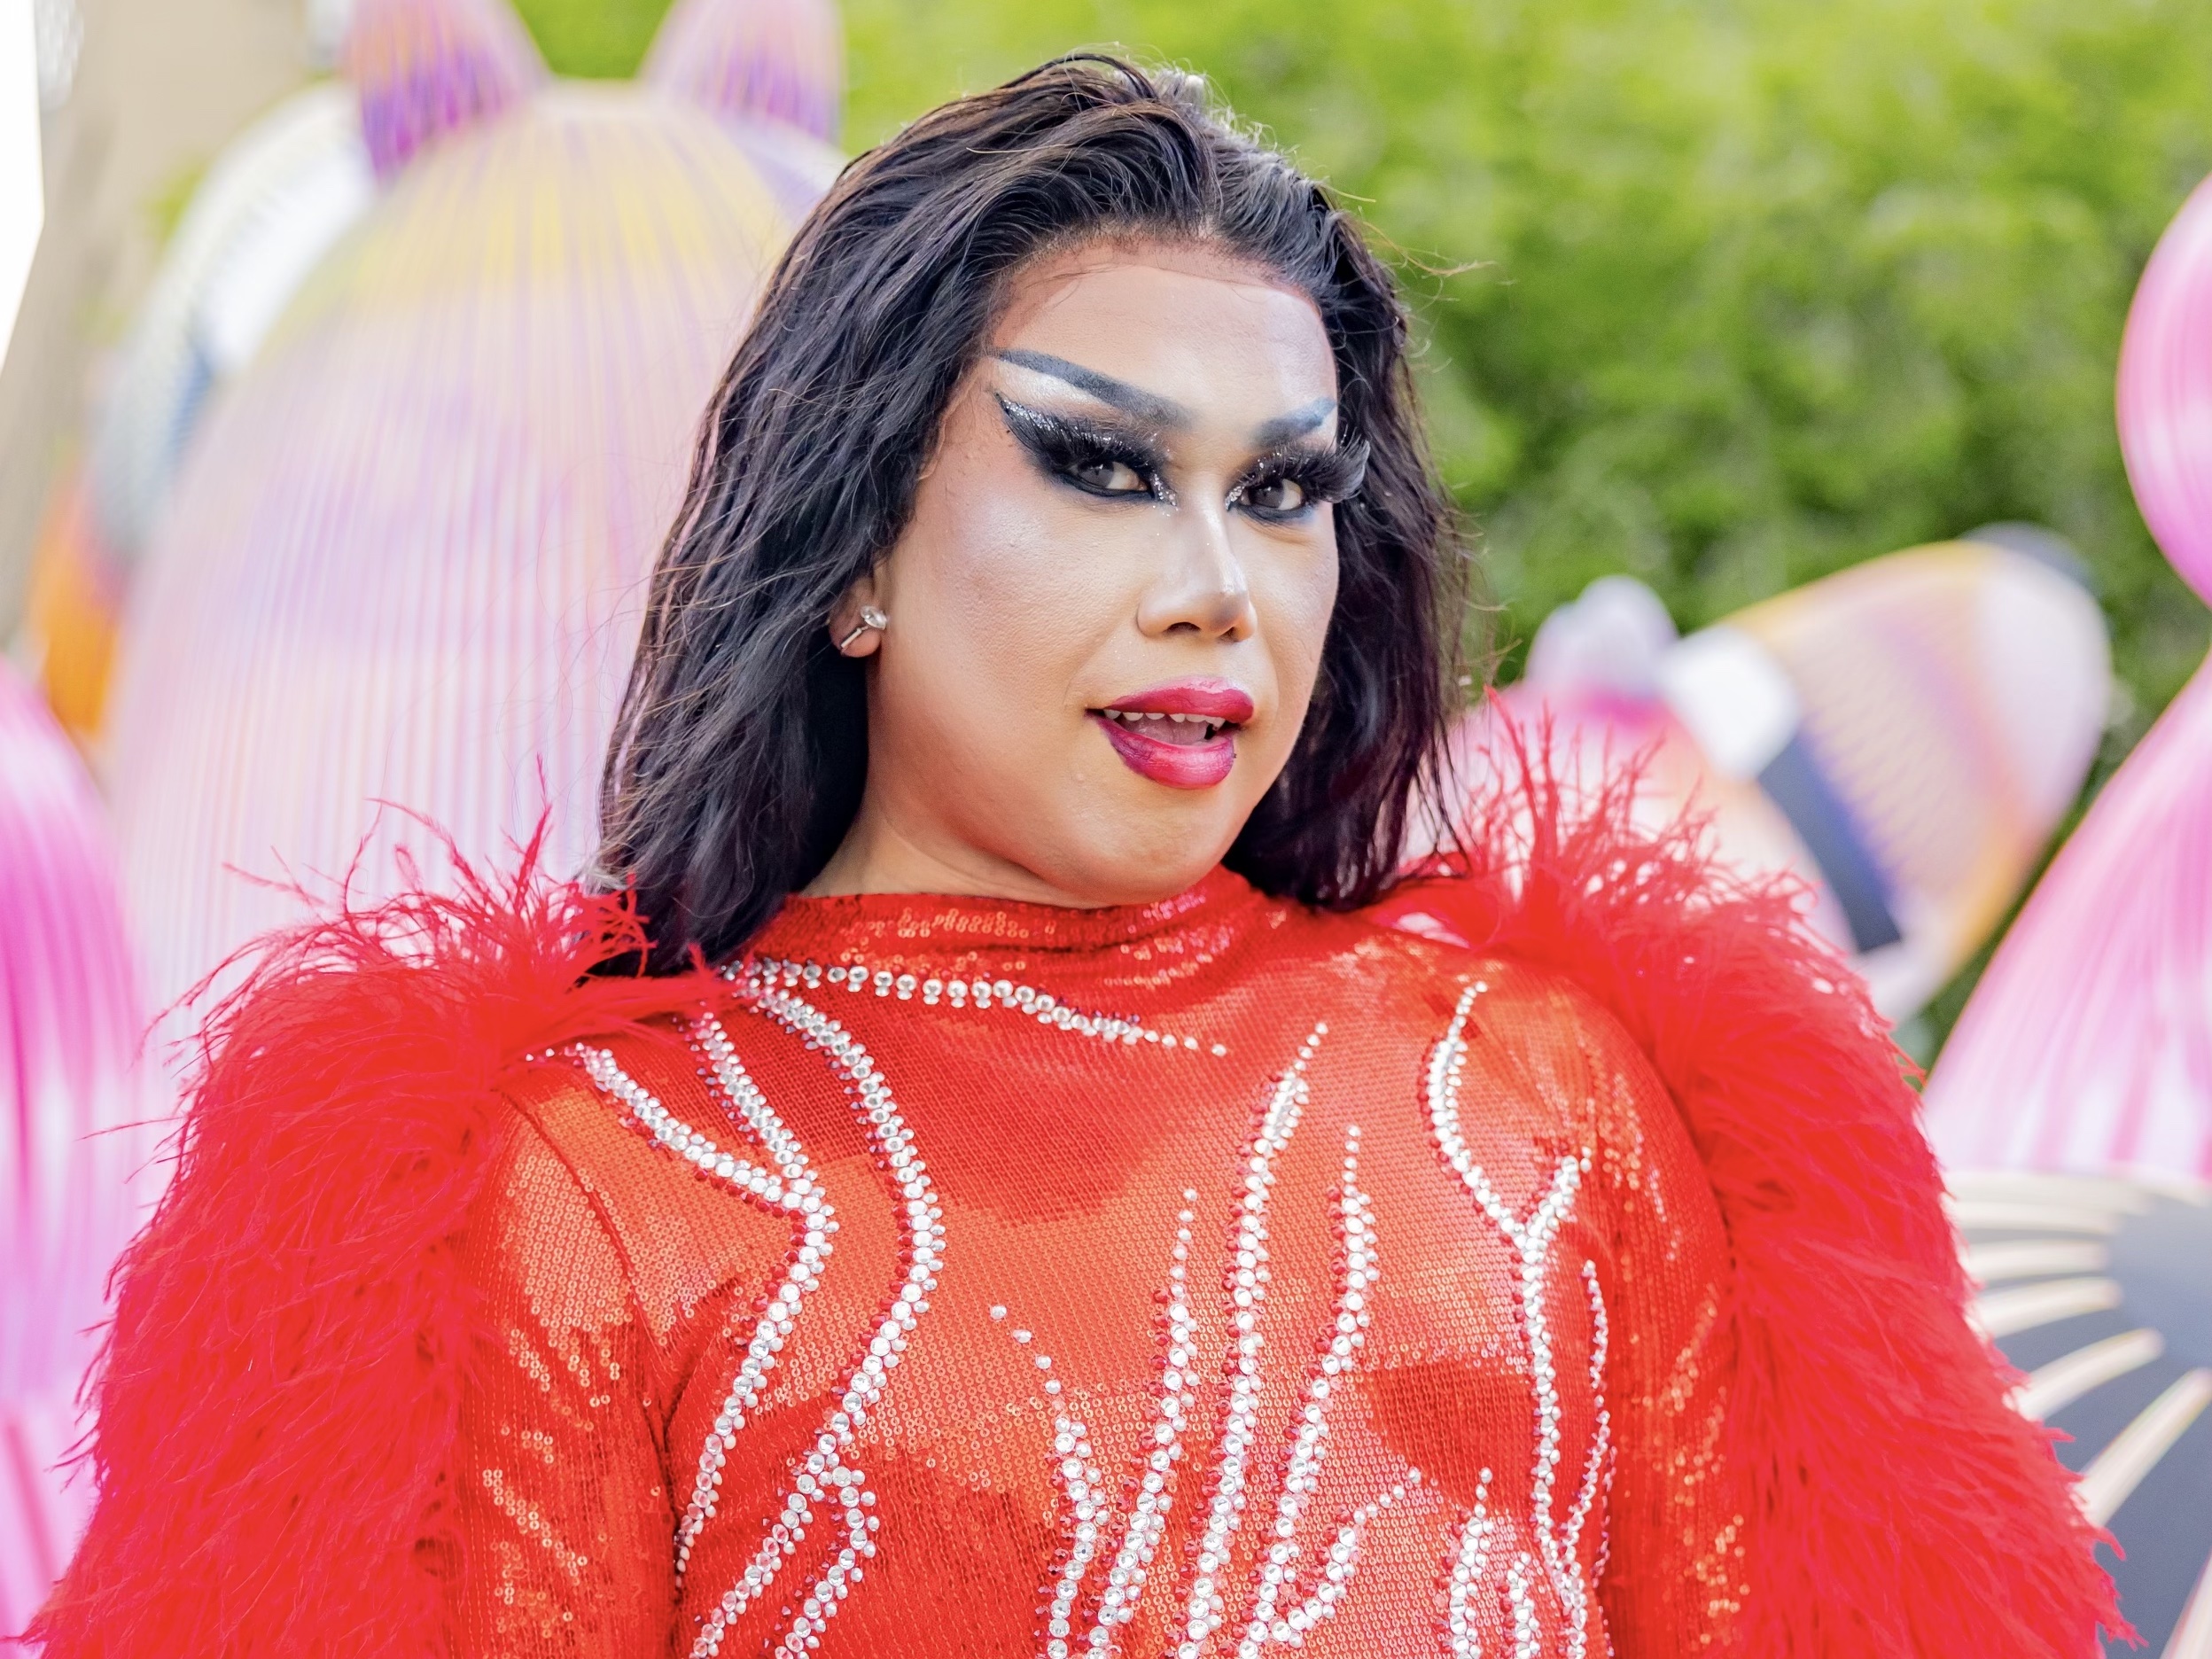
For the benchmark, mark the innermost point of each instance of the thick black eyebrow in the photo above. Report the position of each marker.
(1274, 433)
(1146, 406)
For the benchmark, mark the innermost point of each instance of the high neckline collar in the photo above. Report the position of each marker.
(845, 924)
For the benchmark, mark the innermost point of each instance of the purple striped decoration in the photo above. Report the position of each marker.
(777, 61)
(426, 68)
(75, 1128)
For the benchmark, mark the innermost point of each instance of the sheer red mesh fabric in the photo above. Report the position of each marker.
(1201, 1278)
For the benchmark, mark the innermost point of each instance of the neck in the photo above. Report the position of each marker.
(878, 856)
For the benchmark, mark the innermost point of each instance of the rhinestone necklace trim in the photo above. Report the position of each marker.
(856, 978)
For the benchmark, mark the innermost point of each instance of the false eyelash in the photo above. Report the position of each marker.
(1326, 475)
(1063, 447)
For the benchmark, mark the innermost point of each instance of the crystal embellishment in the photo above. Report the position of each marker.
(1557, 1561)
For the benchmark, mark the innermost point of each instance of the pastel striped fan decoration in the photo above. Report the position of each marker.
(403, 560)
(2094, 1288)
(269, 209)
(1901, 737)
(72, 1131)
(2088, 1044)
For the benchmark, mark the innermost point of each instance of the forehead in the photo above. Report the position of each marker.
(1194, 325)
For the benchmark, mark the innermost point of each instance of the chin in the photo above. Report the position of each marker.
(1160, 872)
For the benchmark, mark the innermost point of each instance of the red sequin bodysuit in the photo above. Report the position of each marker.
(1204, 1278)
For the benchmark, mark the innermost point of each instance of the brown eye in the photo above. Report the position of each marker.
(1107, 478)
(1280, 495)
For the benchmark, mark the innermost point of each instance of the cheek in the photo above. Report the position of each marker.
(1296, 597)
(1008, 593)
(996, 565)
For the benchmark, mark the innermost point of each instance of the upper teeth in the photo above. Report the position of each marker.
(1181, 719)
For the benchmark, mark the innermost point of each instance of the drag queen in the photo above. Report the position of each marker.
(995, 1162)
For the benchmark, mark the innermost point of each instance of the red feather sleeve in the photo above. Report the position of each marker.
(1897, 1505)
(295, 1331)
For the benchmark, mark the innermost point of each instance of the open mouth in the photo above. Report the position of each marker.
(1187, 730)
(1182, 735)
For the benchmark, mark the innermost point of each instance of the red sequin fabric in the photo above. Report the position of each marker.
(1205, 1278)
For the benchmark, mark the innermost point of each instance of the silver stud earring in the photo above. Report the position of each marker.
(872, 621)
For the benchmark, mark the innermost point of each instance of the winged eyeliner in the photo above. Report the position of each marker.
(1064, 446)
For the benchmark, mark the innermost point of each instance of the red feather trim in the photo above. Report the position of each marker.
(277, 1399)
(1898, 1507)
(278, 1393)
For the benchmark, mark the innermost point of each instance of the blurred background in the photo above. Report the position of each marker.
(1773, 351)
(1723, 296)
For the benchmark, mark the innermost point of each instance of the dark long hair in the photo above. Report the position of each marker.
(741, 748)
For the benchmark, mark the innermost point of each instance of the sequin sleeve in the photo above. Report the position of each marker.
(563, 1500)
(1672, 1584)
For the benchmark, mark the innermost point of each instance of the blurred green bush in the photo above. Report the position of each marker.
(593, 39)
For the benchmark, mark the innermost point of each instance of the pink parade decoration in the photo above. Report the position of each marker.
(71, 1133)
(2088, 1044)
(424, 69)
(401, 568)
(761, 60)
(2165, 395)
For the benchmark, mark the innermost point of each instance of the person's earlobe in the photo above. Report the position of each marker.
(857, 623)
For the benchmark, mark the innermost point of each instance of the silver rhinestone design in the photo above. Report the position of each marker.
(1141, 1538)
(1085, 1489)
(1309, 1440)
(1598, 1471)
(1247, 1289)
(1527, 1643)
(1042, 1006)
(1470, 1563)
(1280, 1611)
(791, 1187)
(744, 1098)
(1533, 1240)
(1091, 1522)
(824, 1477)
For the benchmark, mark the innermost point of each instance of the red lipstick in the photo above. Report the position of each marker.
(1181, 734)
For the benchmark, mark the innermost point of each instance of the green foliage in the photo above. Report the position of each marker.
(1733, 293)
(601, 40)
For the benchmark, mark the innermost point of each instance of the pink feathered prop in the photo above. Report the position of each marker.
(73, 1104)
(2088, 1044)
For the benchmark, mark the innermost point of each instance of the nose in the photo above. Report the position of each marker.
(1201, 587)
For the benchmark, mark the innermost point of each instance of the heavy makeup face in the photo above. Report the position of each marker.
(1104, 620)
